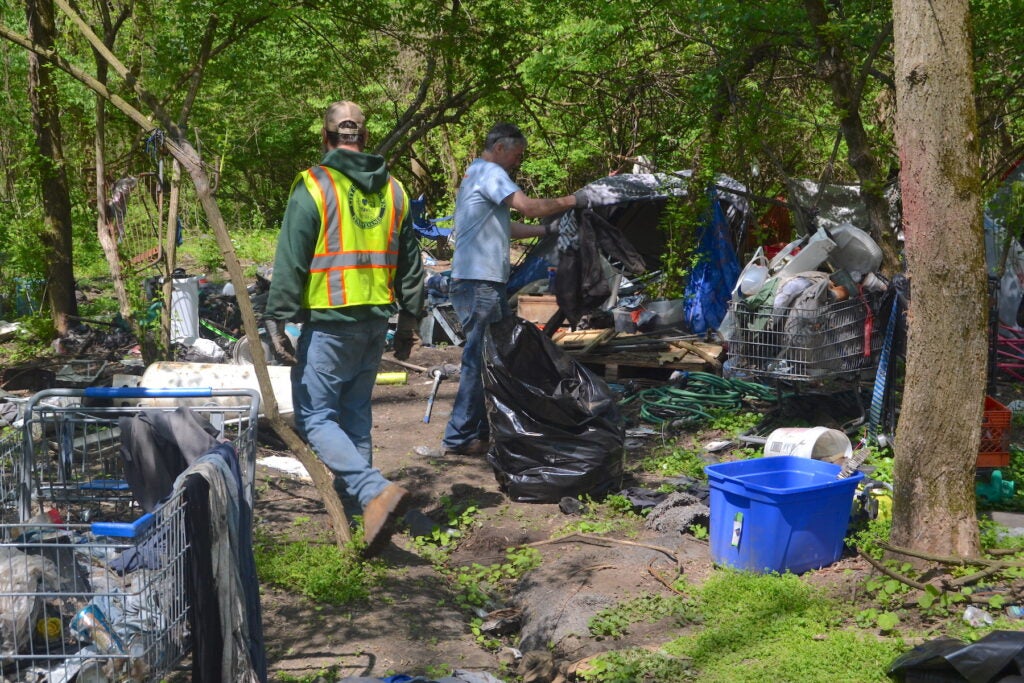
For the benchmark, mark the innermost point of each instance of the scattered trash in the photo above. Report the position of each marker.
(502, 622)
(820, 443)
(977, 617)
(678, 512)
(286, 464)
(8, 330)
(571, 506)
(778, 514)
(994, 489)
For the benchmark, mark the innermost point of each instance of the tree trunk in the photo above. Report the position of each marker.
(55, 237)
(837, 71)
(105, 231)
(943, 399)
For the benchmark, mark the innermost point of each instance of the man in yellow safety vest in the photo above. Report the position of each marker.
(347, 259)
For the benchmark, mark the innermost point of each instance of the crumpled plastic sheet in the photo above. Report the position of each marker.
(22, 577)
(987, 660)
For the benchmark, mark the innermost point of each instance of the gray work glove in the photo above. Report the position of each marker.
(279, 340)
(584, 199)
(405, 335)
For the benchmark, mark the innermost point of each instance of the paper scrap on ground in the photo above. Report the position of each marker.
(286, 464)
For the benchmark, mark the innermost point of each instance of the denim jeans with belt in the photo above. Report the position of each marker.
(332, 386)
(478, 303)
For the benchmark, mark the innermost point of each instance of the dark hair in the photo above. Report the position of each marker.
(504, 132)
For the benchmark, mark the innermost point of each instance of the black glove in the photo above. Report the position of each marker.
(280, 341)
(405, 335)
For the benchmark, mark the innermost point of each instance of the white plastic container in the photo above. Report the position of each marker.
(185, 310)
(810, 257)
(170, 374)
(855, 251)
(819, 443)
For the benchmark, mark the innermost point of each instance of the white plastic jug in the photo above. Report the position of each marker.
(819, 443)
(185, 310)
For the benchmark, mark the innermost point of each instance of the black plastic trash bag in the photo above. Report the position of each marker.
(998, 656)
(555, 425)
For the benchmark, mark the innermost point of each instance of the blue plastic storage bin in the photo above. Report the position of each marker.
(778, 514)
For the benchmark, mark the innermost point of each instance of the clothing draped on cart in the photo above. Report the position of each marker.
(157, 446)
(225, 615)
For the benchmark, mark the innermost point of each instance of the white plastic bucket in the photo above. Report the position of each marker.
(819, 443)
(185, 310)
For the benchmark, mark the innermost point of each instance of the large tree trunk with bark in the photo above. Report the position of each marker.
(943, 398)
(55, 237)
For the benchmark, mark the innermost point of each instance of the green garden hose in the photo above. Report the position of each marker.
(694, 396)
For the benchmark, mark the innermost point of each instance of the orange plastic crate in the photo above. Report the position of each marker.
(994, 450)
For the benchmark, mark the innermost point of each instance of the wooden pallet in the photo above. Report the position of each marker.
(616, 355)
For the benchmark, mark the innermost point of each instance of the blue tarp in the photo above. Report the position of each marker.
(706, 299)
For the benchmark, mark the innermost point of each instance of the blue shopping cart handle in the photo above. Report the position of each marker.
(123, 529)
(146, 392)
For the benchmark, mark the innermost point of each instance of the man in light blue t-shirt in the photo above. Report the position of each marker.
(480, 269)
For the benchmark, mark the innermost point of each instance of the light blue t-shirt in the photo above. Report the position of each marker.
(482, 224)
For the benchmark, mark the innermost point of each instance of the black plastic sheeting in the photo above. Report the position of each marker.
(998, 656)
(555, 425)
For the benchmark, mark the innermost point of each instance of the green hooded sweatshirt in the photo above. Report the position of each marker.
(297, 240)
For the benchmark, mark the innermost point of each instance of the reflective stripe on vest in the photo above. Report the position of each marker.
(356, 253)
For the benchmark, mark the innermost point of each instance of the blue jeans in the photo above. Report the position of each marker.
(332, 386)
(478, 303)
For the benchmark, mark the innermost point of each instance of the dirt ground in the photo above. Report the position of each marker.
(412, 625)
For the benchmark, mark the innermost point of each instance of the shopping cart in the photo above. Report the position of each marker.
(91, 587)
(838, 340)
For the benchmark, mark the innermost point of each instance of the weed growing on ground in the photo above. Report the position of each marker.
(734, 423)
(317, 569)
(673, 460)
(633, 665)
(442, 540)
(328, 675)
(614, 513)
(614, 622)
(478, 585)
(478, 588)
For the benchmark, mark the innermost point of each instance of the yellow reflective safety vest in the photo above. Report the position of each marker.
(357, 248)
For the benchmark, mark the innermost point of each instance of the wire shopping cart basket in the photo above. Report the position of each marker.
(835, 340)
(92, 586)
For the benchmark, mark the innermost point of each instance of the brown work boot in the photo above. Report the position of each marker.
(379, 517)
(473, 447)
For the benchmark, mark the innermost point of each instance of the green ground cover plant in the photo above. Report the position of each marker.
(316, 568)
(752, 628)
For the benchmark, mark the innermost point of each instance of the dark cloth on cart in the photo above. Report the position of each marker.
(203, 612)
(157, 446)
(224, 612)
